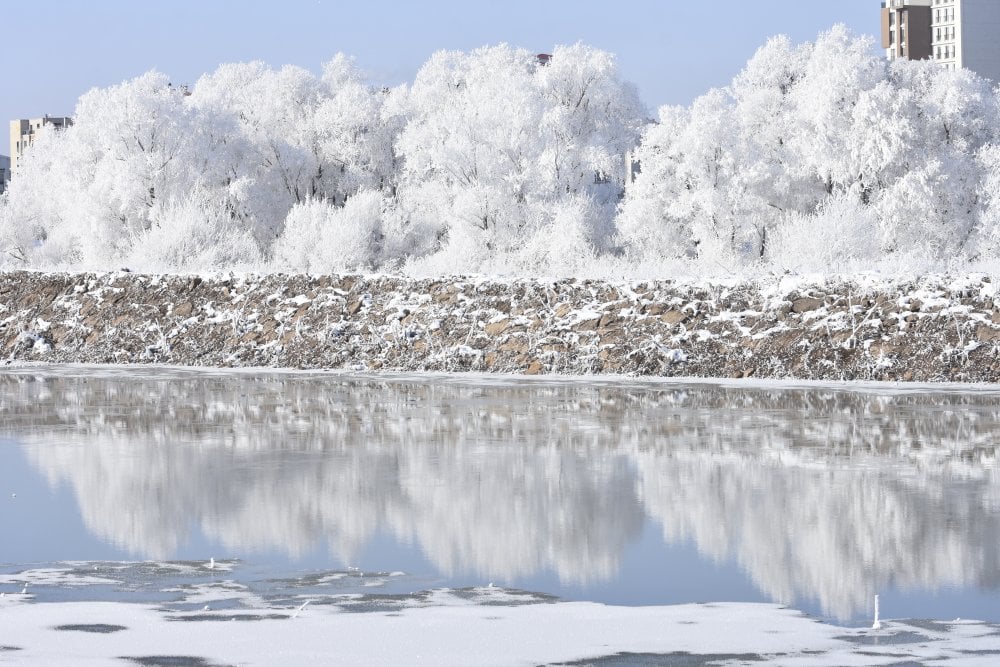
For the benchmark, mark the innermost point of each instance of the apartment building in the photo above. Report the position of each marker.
(906, 29)
(955, 33)
(4, 173)
(23, 132)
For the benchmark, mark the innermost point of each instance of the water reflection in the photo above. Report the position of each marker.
(816, 493)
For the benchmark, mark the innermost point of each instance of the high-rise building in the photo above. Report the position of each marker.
(23, 132)
(955, 33)
(4, 172)
(906, 29)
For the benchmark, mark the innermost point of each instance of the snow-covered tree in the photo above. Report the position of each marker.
(321, 237)
(811, 136)
(820, 156)
(496, 141)
(92, 190)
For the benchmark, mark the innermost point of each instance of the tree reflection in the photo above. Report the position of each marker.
(816, 493)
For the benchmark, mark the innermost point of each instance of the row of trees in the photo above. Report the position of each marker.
(817, 157)
(823, 156)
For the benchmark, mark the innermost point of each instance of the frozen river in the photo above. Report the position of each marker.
(208, 490)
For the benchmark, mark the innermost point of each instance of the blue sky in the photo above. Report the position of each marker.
(672, 50)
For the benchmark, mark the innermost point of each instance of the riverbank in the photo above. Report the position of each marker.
(928, 329)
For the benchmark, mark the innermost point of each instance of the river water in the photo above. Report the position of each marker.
(629, 493)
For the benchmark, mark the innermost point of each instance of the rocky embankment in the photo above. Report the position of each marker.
(930, 329)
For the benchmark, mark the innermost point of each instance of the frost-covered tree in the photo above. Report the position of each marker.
(808, 137)
(320, 237)
(819, 156)
(295, 137)
(93, 190)
(154, 177)
(496, 143)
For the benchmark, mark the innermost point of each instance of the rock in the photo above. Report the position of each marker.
(497, 328)
(806, 304)
(987, 334)
(672, 317)
(608, 320)
(587, 325)
(514, 345)
(653, 309)
(121, 317)
(183, 309)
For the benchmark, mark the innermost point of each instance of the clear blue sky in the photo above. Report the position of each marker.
(672, 50)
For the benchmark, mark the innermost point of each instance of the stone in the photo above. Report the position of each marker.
(673, 317)
(184, 309)
(497, 328)
(806, 304)
(514, 345)
(534, 368)
(608, 320)
(564, 309)
(353, 307)
(987, 334)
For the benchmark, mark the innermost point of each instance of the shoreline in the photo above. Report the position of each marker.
(155, 370)
(932, 329)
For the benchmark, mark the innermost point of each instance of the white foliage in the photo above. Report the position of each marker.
(821, 137)
(819, 156)
(837, 238)
(320, 237)
(196, 234)
(495, 143)
(564, 246)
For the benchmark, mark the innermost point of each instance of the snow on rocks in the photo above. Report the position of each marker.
(932, 328)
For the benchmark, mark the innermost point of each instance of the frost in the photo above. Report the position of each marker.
(675, 356)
